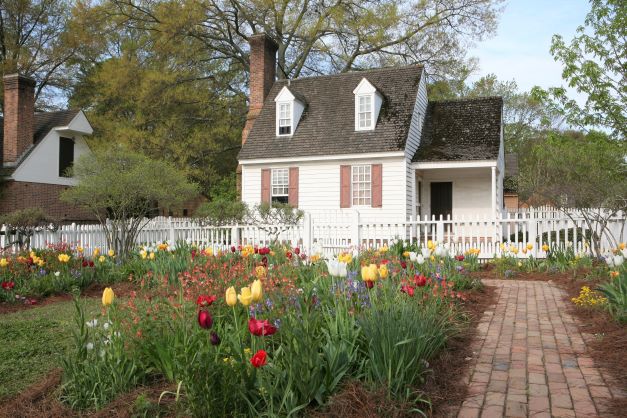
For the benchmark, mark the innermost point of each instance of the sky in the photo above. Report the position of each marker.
(520, 49)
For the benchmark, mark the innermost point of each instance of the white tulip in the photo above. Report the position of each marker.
(343, 272)
(337, 268)
(624, 253)
(425, 252)
(618, 260)
(609, 260)
(89, 346)
(412, 256)
(420, 259)
(92, 323)
(57, 273)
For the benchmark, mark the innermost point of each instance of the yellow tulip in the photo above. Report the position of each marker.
(405, 254)
(621, 245)
(4, 262)
(152, 256)
(314, 258)
(345, 258)
(96, 252)
(530, 246)
(245, 296)
(257, 290)
(63, 258)
(208, 252)
(430, 245)
(143, 254)
(545, 248)
(383, 271)
(111, 253)
(384, 249)
(231, 296)
(107, 296)
(80, 249)
(369, 273)
(102, 259)
(260, 272)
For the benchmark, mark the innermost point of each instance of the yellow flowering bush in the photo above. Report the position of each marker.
(588, 297)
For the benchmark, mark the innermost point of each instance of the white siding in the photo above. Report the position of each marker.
(472, 191)
(413, 139)
(319, 187)
(42, 164)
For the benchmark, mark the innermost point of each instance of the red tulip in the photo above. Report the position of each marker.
(459, 257)
(260, 327)
(91, 264)
(385, 261)
(205, 300)
(264, 251)
(420, 280)
(256, 250)
(288, 255)
(232, 248)
(259, 359)
(408, 289)
(204, 319)
(297, 250)
(8, 285)
(403, 265)
(85, 263)
(369, 284)
(193, 254)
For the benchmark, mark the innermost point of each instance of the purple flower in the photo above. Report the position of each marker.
(214, 338)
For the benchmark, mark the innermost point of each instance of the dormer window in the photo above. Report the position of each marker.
(285, 119)
(288, 112)
(368, 103)
(364, 114)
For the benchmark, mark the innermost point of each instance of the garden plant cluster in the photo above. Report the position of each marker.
(269, 330)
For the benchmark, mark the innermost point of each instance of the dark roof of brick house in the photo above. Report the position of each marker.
(466, 129)
(44, 123)
(327, 125)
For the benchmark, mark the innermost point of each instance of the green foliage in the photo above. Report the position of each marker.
(594, 65)
(575, 171)
(22, 224)
(99, 368)
(121, 188)
(616, 293)
(222, 212)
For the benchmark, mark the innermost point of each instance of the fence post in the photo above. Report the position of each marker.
(439, 230)
(307, 233)
(355, 238)
(235, 238)
(532, 233)
(172, 234)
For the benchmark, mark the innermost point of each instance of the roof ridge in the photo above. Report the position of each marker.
(370, 70)
(466, 99)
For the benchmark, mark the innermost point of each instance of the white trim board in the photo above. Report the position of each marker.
(427, 165)
(372, 155)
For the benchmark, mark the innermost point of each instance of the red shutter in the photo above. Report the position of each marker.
(292, 195)
(377, 180)
(345, 186)
(265, 185)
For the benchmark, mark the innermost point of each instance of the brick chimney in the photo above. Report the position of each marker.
(262, 65)
(262, 75)
(19, 115)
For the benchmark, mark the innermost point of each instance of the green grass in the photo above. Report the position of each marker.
(32, 342)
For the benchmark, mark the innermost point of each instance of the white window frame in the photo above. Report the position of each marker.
(285, 119)
(359, 111)
(361, 181)
(279, 180)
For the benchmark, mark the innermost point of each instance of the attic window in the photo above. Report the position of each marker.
(364, 113)
(285, 119)
(66, 156)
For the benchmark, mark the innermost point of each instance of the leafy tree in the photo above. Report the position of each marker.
(122, 188)
(23, 224)
(584, 175)
(595, 64)
(323, 36)
(35, 40)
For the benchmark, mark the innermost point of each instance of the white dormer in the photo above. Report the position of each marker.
(288, 112)
(367, 105)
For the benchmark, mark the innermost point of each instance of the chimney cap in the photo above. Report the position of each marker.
(15, 79)
(263, 37)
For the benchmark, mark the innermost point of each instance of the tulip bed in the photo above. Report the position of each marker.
(269, 331)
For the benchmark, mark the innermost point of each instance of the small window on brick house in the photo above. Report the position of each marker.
(66, 156)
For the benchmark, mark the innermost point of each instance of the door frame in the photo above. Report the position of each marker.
(431, 213)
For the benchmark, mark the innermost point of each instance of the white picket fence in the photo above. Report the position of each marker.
(336, 231)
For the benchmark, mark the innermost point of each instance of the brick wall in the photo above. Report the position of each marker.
(21, 195)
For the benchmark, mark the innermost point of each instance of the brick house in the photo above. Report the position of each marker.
(369, 141)
(37, 148)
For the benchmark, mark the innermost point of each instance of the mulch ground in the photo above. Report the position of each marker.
(608, 347)
(121, 289)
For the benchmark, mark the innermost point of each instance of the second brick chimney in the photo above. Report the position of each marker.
(262, 76)
(19, 115)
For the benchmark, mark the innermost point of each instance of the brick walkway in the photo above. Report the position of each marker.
(530, 359)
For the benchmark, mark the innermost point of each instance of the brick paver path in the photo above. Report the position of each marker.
(530, 359)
